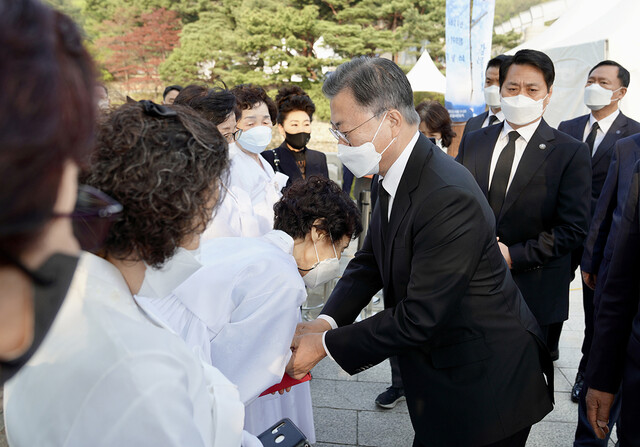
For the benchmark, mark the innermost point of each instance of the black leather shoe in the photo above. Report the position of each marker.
(390, 398)
(577, 387)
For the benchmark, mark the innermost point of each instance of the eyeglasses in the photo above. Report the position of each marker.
(92, 217)
(343, 135)
(232, 136)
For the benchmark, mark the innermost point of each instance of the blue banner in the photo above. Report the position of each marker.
(468, 41)
(481, 33)
(457, 99)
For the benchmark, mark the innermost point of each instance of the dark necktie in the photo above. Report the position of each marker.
(500, 180)
(383, 197)
(492, 120)
(591, 138)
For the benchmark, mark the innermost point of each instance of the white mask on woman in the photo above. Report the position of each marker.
(521, 109)
(597, 97)
(323, 271)
(364, 159)
(256, 139)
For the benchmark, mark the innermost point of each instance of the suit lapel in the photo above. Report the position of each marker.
(579, 126)
(537, 150)
(616, 131)
(484, 152)
(288, 162)
(402, 200)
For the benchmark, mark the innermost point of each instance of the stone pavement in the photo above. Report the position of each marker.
(346, 415)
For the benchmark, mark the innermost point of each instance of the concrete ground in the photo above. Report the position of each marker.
(346, 415)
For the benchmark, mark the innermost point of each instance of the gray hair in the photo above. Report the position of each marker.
(377, 84)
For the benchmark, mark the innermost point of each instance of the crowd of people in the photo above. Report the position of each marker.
(154, 257)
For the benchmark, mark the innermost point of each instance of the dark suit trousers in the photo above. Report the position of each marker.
(629, 429)
(396, 378)
(587, 302)
(517, 440)
(584, 433)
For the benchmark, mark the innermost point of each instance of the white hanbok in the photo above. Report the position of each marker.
(249, 195)
(107, 375)
(243, 306)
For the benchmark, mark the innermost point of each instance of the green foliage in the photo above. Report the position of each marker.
(505, 42)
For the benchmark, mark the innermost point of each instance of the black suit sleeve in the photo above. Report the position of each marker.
(602, 217)
(619, 301)
(571, 219)
(360, 281)
(444, 255)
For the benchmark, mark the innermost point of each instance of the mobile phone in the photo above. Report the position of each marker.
(284, 433)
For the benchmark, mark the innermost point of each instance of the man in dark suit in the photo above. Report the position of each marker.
(615, 350)
(494, 114)
(600, 129)
(538, 183)
(470, 356)
(598, 250)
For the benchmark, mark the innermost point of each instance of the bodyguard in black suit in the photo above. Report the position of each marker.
(600, 129)
(494, 114)
(469, 349)
(598, 250)
(538, 182)
(293, 158)
(615, 351)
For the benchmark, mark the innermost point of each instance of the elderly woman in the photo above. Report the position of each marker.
(108, 373)
(242, 306)
(292, 157)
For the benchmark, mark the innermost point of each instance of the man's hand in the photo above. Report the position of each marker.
(589, 279)
(598, 407)
(307, 352)
(311, 327)
(505, 252)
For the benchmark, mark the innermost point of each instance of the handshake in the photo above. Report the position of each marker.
(306, 347)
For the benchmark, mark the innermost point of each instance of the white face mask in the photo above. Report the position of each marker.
(364, 159)
(492, 96)
(323, 271)
(256, 139)
(521, 109)
(597, 97)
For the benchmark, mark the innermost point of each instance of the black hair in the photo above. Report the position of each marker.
(623, 74)
(312, 199)
(534, 58)
(437, 119)
(497, 61)
(215, 104)
(248, 96)
(291, 98)
(171, 87)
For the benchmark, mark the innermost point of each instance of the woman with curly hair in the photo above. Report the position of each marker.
(242, 306)
(292, 157)
(112, 374)
(435, 123)
(252, 187)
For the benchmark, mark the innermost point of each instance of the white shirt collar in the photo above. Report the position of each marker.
(500, 115)
(526, 132)
(281, 240)
(391, 180)
(604, 123)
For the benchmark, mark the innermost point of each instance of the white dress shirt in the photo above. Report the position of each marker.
(604, 126)
(499, 115)
(390, 182)
(107, 375)
(526, 133)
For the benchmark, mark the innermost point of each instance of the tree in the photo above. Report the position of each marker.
(137, 44)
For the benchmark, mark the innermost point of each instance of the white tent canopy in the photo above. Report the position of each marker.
(587, 33)
(425, 76)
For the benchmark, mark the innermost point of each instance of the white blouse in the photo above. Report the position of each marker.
(107, 375)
